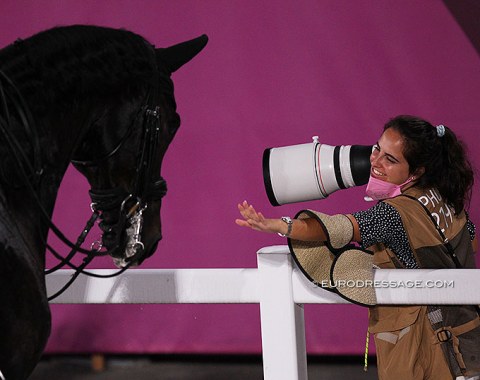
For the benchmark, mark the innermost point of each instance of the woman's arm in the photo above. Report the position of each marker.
(302, 229)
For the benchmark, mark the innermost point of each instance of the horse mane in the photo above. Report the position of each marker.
(67, 64)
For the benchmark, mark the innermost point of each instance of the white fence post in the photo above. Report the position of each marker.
(282, 321)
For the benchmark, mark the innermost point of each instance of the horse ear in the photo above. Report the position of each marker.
(177, 55)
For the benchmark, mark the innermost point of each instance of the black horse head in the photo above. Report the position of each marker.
(121, 156)
(102, 99)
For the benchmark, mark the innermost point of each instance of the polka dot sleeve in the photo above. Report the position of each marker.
(382, 224)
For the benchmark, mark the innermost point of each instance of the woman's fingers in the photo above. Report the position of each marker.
(252, 218)
(261, 218)
(247, 211)
(242, 222)
(244, 210)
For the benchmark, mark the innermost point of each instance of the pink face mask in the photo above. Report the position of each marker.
(378, 189)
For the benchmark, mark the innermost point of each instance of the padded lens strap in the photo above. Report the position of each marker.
(445, 240)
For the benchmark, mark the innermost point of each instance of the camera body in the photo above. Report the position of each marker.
(311, 171)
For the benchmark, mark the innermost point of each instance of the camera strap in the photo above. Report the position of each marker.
(446, 242)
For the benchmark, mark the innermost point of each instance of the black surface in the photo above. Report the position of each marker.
(193, 367)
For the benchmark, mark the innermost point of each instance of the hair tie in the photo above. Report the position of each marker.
(440, 130)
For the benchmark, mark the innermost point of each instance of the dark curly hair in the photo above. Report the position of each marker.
(444, 159)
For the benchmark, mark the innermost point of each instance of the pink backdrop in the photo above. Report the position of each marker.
(273, 74)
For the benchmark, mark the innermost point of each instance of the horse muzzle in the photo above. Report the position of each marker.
(134, 250)
(122, 223)
(125, 239)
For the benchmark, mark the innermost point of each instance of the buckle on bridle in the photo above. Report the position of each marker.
(132, 209)
(97, 245)
(444, 335)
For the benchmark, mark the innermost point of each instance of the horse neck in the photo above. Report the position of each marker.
(24, 209)
(20, 230)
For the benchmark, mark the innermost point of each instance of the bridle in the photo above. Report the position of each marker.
(131, 205)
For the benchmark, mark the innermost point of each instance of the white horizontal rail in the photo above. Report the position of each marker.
(277, 285)
(404, 287)
(159, 286)
(237, 285)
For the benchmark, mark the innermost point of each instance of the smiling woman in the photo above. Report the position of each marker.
(423, 180)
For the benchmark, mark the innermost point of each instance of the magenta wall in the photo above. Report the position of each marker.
(274, 73)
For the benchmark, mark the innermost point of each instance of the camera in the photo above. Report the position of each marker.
(311, 171)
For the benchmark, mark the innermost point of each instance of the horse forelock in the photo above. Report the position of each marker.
(64, 64)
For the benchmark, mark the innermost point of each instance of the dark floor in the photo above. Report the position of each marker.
(190, 367)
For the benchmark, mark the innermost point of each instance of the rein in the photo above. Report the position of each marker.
(130, 213)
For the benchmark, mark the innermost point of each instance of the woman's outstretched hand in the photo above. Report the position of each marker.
(256, 220)
(302, 229)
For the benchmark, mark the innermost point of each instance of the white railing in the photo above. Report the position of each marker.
(277, 285)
